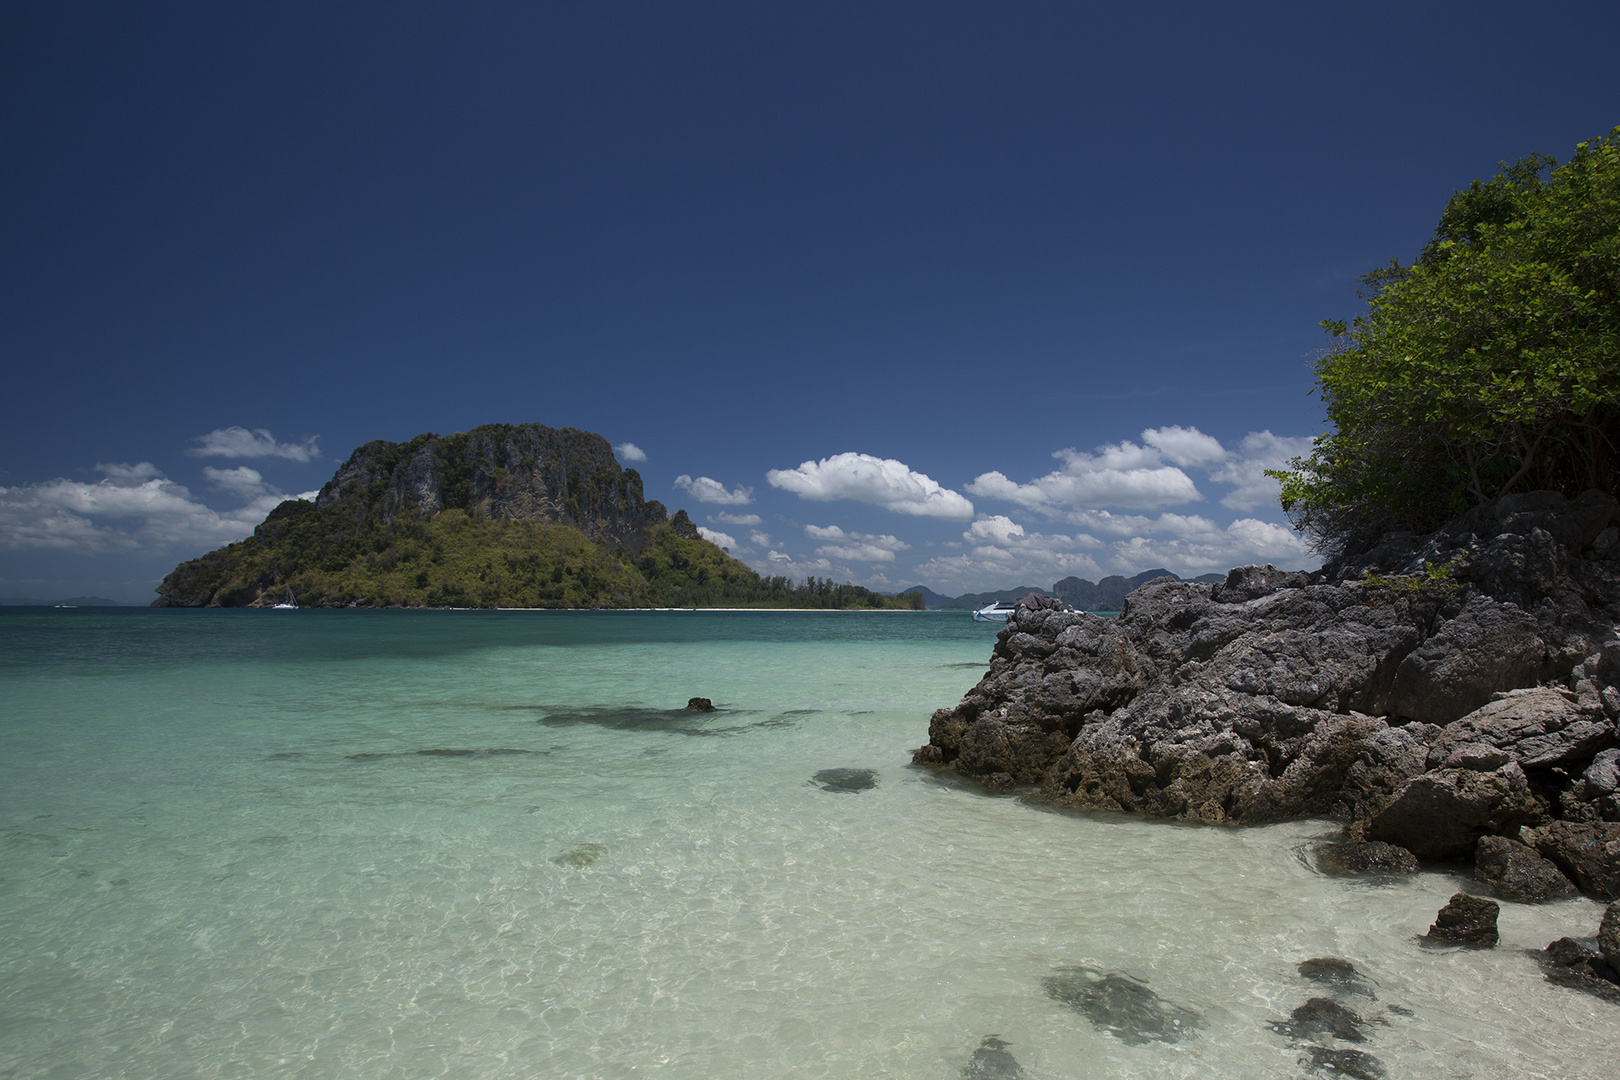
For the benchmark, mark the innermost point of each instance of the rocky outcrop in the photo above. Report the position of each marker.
(500, 472)
(1466, 920)
(1517, 873)
(1433, 691)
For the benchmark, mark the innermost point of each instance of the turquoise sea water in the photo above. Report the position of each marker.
(482, 845)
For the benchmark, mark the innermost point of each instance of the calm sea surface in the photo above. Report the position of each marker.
(482, 845)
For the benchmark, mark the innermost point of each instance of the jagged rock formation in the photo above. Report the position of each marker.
(500, 472)
(1432, 691)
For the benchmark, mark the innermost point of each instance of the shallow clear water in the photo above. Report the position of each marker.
(477, 844)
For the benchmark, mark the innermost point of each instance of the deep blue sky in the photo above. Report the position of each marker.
(741, 236)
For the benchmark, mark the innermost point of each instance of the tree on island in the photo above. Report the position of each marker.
(1490, 365)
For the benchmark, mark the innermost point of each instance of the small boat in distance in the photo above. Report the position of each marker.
(289, 604)
(996, 612)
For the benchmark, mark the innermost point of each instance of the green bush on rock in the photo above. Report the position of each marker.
(1491, 365)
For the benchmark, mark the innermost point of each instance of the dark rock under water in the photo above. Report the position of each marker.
(1321, 1016)
(1121, 1005)
(845, 780)
(677, 721)
(991, 1061)
(497, 751)
(580, 855)
(1345, 1062)
(1339, 975)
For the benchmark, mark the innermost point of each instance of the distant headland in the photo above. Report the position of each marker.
(501, 515)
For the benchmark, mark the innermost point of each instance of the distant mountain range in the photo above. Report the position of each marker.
(74, 601)
(1105, 595)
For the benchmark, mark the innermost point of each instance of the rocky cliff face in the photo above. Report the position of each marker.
(1434, 691)
(501, 472)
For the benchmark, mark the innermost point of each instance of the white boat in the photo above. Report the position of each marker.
(996, 612)
(289, 604)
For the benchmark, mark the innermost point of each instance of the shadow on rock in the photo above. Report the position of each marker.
(1120, 1004)
(991, 1061)
(845, 780)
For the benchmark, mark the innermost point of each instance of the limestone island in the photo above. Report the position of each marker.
(502, 515)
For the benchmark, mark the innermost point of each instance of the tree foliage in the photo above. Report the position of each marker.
(456, 559)
(1489, 365)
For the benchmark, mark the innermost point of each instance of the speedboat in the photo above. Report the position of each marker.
(999, 611)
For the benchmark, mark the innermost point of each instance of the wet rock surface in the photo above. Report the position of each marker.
(1466, 920)
(1124, 1006)
(992, 1061)
(1569, 962)
(1516, 872)
(845, 780)
(1365, 857)
(699, 704)
(1434, 691)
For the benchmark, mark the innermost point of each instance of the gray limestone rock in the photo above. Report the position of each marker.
(1515, 872)
(1487, 647)
(1442, 814)
(1609, 935)
(1588, 852)
(1537, 727)
(1433, 709)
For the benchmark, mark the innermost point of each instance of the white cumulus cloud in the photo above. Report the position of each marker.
(1122, 474)
(726, 518)
(629, 451)
(714, 536)
(135, 508)
(1246, 472)
(855, 546)
(877, 481)
(705, 490)
(1185, 446)
(239, 442)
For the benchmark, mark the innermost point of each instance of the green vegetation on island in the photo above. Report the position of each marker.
(501, 516)
(1489, 366)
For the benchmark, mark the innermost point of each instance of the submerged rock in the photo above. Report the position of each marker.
(699, 704)
(1321, 1016)
(1466, 920)
(581, 855)
(1365, 857)
(991, 1061)
(845, 780)
(1345, 1062)
(1516, 872)
(1339, 974)
(1121, 1005)
(1567, 962)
